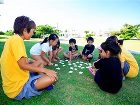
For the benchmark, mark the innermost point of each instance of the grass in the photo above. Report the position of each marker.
(75, 89)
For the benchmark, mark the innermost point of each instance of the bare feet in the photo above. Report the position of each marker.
(57, 58)
(54, 60)
(50, 64)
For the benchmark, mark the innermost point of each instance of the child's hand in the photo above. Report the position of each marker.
(30, 61)
(51, 73)
(50, 64)
(89, 55)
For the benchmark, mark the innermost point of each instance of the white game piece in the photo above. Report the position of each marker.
(70, 71)
(82, 67)
(87, 67)
(77, 62)
(56, 65)
(90, 64)
(71, 67)
(75, 69)
(69, 64)
(58, 68)
(75, 65)
(80, 72)
(80, 64)
(66, 60)
(64, 65)
(61, 61)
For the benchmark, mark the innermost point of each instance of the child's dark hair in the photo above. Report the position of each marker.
(120, 41)
(58, 43)
(51, 37)
(112, 39)
(90, 39)
(56, 46)
(72, 41)
(114, 48)
(23, 22)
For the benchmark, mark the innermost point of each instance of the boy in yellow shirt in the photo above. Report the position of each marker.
(15, 68)
(128, 62)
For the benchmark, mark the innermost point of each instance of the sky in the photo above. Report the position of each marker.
(79, 15)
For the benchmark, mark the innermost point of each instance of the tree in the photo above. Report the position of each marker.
(88, 34)
(129, 31)
(138, 31)
(2, 33)
(115, 33)
(9, 32)
(45, 30)
(138, 35)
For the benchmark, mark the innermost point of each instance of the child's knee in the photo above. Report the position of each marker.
(84, 58)
(52, 79)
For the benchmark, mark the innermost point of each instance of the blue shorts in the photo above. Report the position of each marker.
(126, 68)
(29, 88)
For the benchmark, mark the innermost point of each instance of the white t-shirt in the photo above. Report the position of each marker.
(38, 48)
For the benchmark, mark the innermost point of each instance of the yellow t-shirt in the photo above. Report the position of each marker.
(127, 56)
(13, 76)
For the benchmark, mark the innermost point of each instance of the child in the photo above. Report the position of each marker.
(111, 39)
(39, 50)
(73, 50)
(128, 62)
(56, 50)
(88, 50)
(15, 69)
(108, 73)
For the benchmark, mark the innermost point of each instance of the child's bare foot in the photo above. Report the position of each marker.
(92, 71)
(50, 64)
(57, 58)
(54, 60)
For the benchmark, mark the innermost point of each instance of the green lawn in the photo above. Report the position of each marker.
(76, 89)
